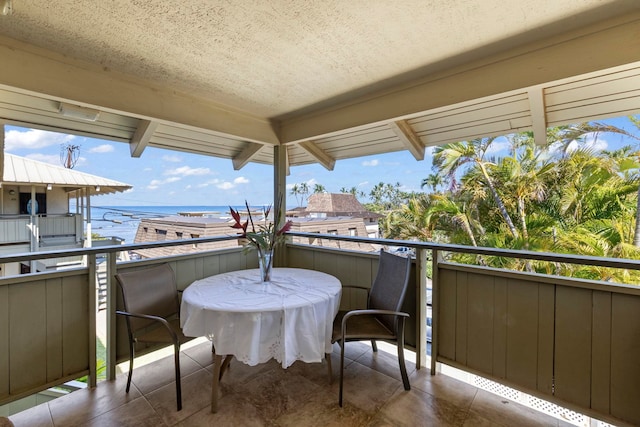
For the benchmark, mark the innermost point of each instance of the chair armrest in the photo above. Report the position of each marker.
(365, 288)
(353, 313)
(372, 311)
(162, 320)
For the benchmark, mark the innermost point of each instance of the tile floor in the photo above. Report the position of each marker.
(267, 395)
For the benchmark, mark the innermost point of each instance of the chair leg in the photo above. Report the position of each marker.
(374, 346)
(341, 372)
(403, 368)
(131, 355)
(327, 357)
(178, 382)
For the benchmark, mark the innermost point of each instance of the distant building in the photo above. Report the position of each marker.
(35, 214)
(342, 205)
(339, 214)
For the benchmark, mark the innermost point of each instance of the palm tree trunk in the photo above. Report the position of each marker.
(523, 220)
(636, 235)
(498, 200)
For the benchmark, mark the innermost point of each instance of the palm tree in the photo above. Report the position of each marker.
(433, 181)
(300, 190)
(448, 159)
(295, 191)
(318, 188)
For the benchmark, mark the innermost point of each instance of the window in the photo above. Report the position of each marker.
(178, 234)
(353, 232)
(161, 234)
(332, 232)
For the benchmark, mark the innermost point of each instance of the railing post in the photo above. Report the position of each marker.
(435, 290)
(93, 296)
(111, 316)
(421, 309)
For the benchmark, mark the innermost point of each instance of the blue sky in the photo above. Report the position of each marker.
(172, 178)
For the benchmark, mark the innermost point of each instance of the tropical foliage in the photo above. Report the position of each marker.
(564, 197)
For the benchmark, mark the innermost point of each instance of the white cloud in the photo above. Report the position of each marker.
(208, 183)
(225, 185)
(374, 162)
(171, 158)
(498, 146)
(591, 143)
(154, 184)
(33, 139)
(597, 144)
(241, 180)
(104, 148)
(363, 183)
(172, 179)
(188, 171)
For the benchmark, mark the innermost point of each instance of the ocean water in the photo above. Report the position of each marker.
(122, 221)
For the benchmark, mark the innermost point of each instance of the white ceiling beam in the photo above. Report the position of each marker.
(35, 71)
(319, 154)
(552, 59)
(141, 137)
(245, 156)
(538, 115)
(287, 160)
(408, 138)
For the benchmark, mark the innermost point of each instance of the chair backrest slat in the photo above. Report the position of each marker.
(149, 291)
(390, 285)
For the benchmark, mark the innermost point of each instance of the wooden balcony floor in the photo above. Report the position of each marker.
(267, 395)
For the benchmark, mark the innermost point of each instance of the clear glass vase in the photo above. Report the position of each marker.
(265, 262)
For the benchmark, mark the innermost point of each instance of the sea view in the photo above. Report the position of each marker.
(122, 221)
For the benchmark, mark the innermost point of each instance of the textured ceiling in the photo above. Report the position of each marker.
(278, 58)
(321, 80)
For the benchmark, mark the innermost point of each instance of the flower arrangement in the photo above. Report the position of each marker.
(263, 237)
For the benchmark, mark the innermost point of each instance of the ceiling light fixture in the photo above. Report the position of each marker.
(98, 188)
(77, 112)
(7, 7)
(49, 187)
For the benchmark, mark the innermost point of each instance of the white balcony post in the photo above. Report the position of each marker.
(435, 289)
(111, 316)
(280, 188)
(421, 309)
(93, 295)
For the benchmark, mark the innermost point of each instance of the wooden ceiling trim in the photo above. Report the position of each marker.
(319, 154)
(592, 79)
(141, 137)
(249, 152)
(589, 111)
(488, 112)
(538, 116)
(408, 138)
(502, 127)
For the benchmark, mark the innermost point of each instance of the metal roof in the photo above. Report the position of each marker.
(24, 171)
(327, 80)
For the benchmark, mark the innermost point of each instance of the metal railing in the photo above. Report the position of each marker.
(570, 341)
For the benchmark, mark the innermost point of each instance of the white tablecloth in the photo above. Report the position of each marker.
(289, 318)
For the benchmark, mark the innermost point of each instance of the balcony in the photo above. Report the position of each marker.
(573, 343)
(269, 395)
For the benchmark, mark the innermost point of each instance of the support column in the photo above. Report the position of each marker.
(280, 192)
(111, 316)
